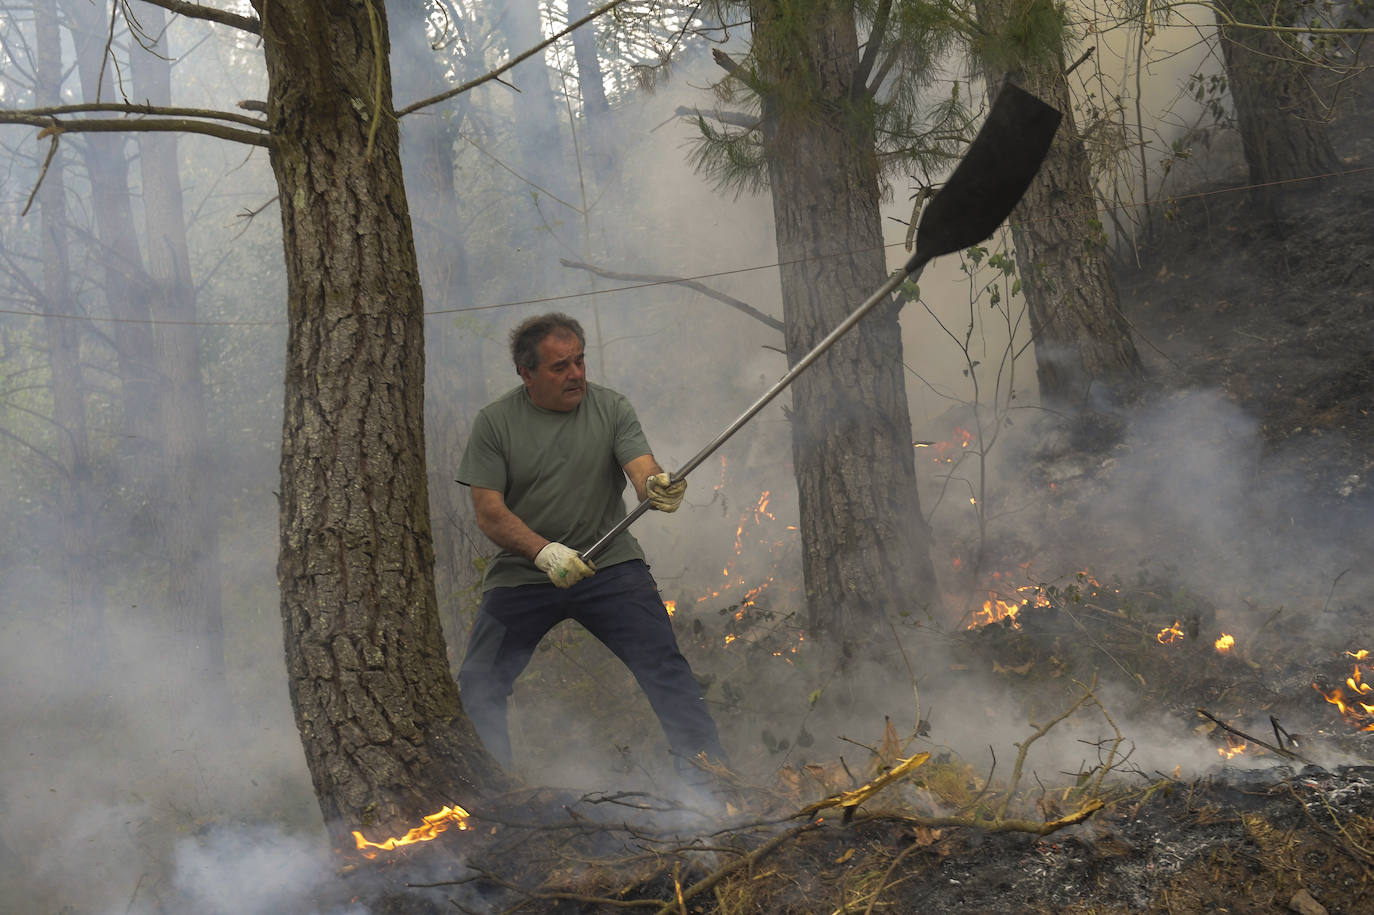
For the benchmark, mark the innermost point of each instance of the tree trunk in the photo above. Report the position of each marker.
(384, 732)
(591, 82)
(1083, 345)
(1282, 129)
(536, 114)
(866, 547)
(86, 596)
(122, 265)
(427, 153)
(189, 519)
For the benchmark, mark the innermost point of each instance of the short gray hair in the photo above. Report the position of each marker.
(525, 339)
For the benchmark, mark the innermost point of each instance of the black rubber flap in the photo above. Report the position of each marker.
(987, 184)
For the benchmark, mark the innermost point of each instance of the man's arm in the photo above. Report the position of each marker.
(651, 483)
(501, 525)
(639, 470)
(559, 561)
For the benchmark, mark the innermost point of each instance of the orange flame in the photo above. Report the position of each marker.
(1232, 749)
(434, 824)
(670, 606)
(1170, 635)
(997, 608)
(1354, 709)
(994, 610)
(1225, 643)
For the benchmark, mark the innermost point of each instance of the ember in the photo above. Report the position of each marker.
(1223, 644)
(434, 824)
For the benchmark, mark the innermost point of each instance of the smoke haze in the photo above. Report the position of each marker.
(125, 790)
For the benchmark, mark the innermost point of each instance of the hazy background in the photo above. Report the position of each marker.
(121, 792)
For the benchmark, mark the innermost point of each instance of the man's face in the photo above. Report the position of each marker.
(560, 381)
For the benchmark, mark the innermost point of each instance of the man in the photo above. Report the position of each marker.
(547, 464)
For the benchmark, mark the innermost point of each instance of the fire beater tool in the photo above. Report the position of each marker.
(984, 188)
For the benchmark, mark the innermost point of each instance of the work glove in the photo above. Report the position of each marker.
(664, 496)
(562, 564)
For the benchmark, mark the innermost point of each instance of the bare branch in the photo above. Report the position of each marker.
(766, 319)
(875, 41)
(197, 11)
(117, 125)
(473, 83)
(727, 63)
(56, 135)
(132, 108)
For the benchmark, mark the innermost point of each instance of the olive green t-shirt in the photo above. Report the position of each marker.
(560, 473)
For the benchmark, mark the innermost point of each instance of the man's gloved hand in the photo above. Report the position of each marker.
(562, 564)
(663, 495)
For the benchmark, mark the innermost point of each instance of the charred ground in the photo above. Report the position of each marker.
(1266, 302)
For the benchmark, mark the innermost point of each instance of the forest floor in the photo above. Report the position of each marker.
(1266, 303)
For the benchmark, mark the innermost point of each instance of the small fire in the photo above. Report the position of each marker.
(1232, 749)
(1223, 644)
(670, 606)
(1170, 635)
(947, 452)
(434, 824)
(997, 608)
(1358, 705)
(994, 610)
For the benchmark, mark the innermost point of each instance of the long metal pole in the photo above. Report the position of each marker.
(912, 269)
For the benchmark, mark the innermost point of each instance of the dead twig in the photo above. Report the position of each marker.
(851, 799)
(883, 885)
(766, 319)
(711, 880)
(998, 825)
(1024, 748)
(55, 131)
(1286, 754)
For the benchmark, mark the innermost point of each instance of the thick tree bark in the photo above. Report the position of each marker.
(1282, 129)
(1084, 354)
(384, 732)
(866, 547)
(85, 594)
(189, 520)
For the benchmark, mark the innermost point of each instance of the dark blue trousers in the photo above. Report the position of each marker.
(619, 605)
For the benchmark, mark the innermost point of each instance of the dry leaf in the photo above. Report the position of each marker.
(845, 857)
(925, 836)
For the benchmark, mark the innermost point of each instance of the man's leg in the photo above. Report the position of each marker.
(620, 605)
(509, 625)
